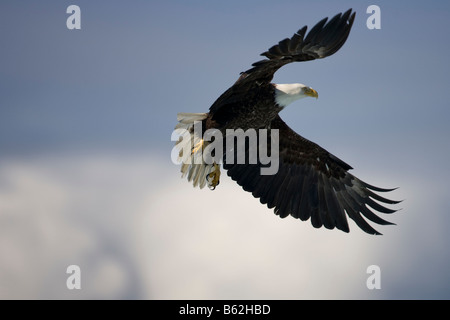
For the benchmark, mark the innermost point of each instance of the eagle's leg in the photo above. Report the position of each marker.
(213, 177)
(198, 146)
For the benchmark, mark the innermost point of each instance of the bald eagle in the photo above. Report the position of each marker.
(310, 182)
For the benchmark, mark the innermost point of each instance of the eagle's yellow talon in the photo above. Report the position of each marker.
(214, 177)
(197, 147)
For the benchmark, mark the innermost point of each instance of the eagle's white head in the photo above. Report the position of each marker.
(288, 93)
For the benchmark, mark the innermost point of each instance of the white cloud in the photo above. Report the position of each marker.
(138, 231)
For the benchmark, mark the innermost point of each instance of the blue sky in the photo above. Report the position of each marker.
(84, 112)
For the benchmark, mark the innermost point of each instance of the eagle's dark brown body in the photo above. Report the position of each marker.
(244, 106)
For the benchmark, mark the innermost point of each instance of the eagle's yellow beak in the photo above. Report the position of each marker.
(311, 92)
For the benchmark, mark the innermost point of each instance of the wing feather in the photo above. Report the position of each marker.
(311, 183)
(323, 40)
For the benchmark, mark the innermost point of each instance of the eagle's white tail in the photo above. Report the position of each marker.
(189, 118)
(192, 164)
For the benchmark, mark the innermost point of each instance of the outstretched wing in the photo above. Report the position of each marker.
(322, 41)
(311, 183)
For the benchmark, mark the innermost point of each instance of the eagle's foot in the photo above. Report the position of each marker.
(197, 147)
(213, 178)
